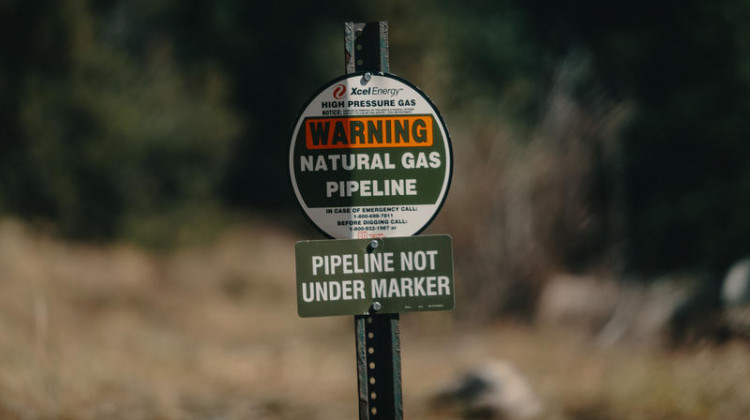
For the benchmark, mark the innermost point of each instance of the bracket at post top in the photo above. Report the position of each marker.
(366, 46)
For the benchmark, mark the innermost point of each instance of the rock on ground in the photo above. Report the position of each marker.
(493, 389)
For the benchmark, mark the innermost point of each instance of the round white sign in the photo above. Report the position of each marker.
(370, 157)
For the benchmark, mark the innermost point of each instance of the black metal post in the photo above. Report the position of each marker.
(377, 336)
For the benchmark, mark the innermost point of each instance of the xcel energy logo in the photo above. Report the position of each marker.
(339, 91)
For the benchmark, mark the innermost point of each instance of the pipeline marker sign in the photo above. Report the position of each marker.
(386, 275)
(370, 157)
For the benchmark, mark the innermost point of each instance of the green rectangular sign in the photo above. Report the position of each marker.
(384, 275)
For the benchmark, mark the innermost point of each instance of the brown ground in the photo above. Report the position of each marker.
(114, 332)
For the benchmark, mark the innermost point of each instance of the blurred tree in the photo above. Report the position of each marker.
(97, 135)
(274, 57)
(687, 161)
(116, 111)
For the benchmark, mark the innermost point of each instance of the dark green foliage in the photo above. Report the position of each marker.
(114, 114)
(97, 133)
(686, 155)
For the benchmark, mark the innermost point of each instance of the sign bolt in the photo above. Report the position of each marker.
(367, 76)
(373, 244)
(376, 306)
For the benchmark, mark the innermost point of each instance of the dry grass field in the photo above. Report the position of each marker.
(211, 332)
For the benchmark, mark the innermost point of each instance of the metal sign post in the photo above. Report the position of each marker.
(378, 337)
(370, 162)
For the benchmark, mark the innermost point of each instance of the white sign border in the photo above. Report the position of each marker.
(314, 213)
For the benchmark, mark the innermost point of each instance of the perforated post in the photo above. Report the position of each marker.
(366, 46)
(379, 366)
(377, 336)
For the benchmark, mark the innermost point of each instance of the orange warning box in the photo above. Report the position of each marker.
(368, 132)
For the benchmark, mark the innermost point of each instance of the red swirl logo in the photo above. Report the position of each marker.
(339, 91)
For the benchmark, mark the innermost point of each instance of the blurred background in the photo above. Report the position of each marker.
(600, 209)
